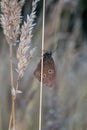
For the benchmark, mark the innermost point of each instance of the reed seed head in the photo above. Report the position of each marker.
(25, 41)
(11, 19)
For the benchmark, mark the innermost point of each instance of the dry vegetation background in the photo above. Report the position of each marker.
(65, 106)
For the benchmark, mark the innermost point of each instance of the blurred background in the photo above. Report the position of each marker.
(64, 106)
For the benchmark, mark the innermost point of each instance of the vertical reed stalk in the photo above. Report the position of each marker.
(10, 20)
(12, 118)
(41, 85)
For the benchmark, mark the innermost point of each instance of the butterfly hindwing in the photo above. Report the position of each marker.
(49, 71)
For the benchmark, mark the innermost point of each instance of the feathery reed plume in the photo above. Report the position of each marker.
(11, 18)
(25, 40)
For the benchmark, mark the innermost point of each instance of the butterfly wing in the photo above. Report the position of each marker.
(49, 71)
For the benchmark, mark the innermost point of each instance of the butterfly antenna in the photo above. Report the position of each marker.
(42, 53)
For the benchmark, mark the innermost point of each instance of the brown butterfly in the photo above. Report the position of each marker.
(49, 70)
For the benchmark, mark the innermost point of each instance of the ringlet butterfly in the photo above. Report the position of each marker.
(49, 70)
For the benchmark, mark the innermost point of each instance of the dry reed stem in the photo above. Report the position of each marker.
(10, 20)
(12, 119)
(41, 85)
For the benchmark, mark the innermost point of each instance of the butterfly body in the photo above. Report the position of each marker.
(49, 70)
